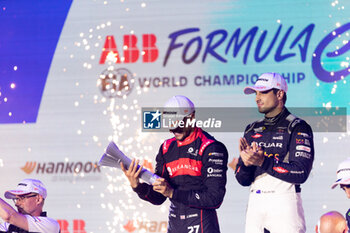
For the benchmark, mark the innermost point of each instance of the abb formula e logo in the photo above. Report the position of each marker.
(131, 51)
(223, 45)
(243, 44)
(119, 82)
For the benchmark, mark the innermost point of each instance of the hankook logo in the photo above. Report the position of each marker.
(61, 167)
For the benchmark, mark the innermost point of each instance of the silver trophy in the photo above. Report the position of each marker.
(113, 156)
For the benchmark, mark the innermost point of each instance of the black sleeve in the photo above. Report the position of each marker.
(213, 176)
(300, 157)
(145, 191)
(244, 174)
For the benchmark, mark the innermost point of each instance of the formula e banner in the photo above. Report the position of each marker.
(75, 75)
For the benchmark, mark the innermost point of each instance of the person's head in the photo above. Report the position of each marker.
(332, 222)
(179, 110)
(271, 93)
(29, 196)
(343, 177)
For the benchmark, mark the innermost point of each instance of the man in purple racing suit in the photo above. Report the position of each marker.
(193, 167)
(276, 156)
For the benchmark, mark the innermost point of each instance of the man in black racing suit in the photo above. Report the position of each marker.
(276, 156)
(193, 169)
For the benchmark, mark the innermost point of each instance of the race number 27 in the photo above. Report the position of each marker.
(193, 229)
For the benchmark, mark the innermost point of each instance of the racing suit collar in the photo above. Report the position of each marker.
(275, 119)
(193, 136)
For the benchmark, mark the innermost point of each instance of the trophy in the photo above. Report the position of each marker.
(113, 156)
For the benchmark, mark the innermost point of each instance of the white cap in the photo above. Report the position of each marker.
(27, 186)
(177, 108)
(343, 173)
(268, 81)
